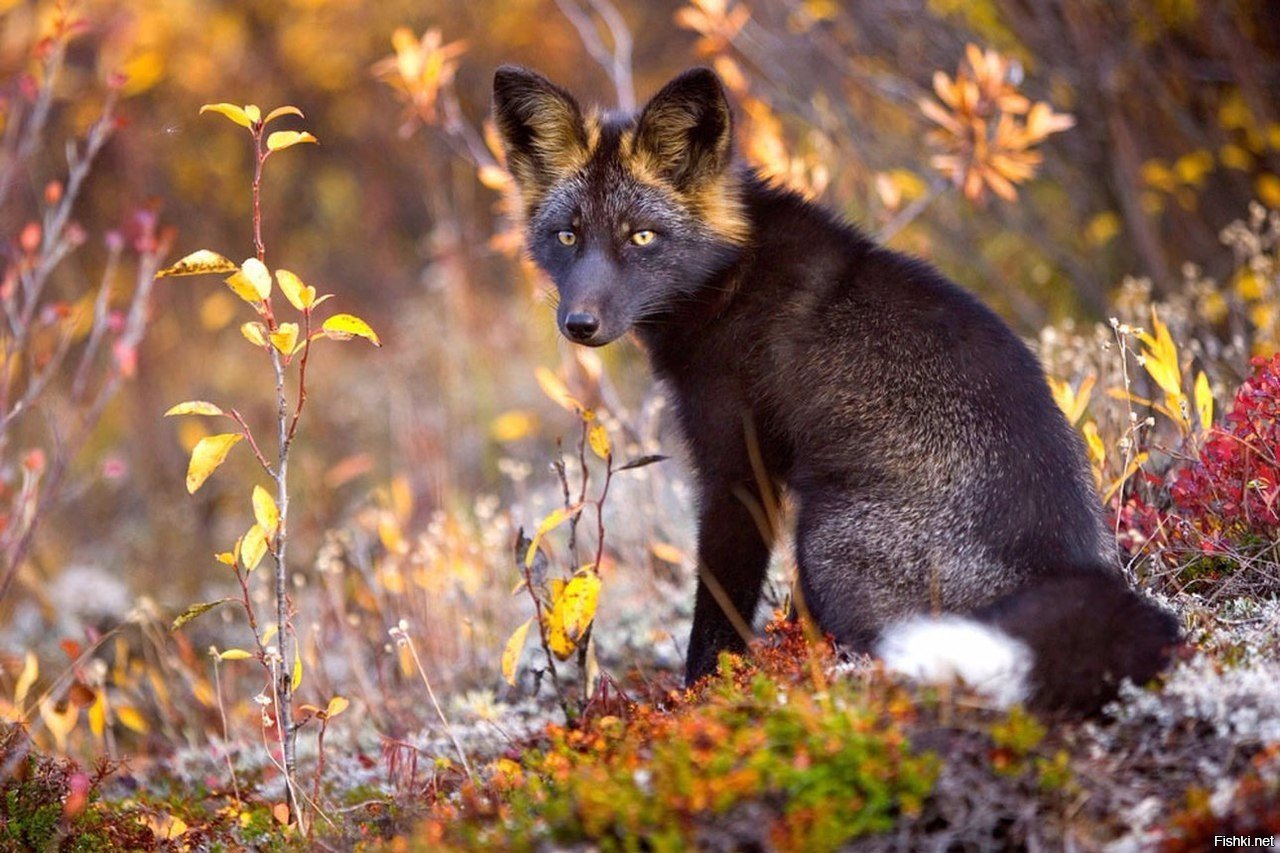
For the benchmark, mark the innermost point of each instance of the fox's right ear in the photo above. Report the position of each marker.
(541, 128)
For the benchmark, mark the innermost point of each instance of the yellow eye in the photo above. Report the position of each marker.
(566, 238)
(643, 238)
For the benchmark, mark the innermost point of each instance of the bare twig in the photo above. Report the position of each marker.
(616, 61)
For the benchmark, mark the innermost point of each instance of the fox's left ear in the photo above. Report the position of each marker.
(686, 130)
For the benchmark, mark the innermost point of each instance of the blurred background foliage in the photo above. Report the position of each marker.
(399, 211)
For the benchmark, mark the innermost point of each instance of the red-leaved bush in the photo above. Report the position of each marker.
(1233, 490)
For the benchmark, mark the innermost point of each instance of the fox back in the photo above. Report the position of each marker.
(931, 470)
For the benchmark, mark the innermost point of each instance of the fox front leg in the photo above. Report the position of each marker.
(733, 556)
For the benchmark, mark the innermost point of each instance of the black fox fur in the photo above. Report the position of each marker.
(931, 469)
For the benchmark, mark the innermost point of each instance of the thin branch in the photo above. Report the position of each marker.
(615, 62)
(912, 211)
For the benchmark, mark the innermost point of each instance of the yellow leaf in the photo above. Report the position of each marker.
(30, 672)
(175, 827)
(1267, 186)
(287, 110)
(390, 534)
(300, 295)
(231, 111)
(282, 139)
(555, 389)
(1191, 168)
(1161, 357)
(199, 263)
(235, 654)
(194, 407)
(285, 338)
(494, 178)
(1072, 402)
(511, 654)
(513, 425)
(667, 553)
(1249, 285)
(252, 111)
(132, 719)
(265, 511)
(346, 326)
(269, 633)
(1093, 443)
(98, 714)
(252, 548)
(208, 454)
(551, 522)
(297, 671)
(59, 723)
(196, 610)
(255, 272)
(241, 286)
(1204, 400)
(1103, 228)
(598, 438)
(227, 558)
(337, 705)
(1235, 157)
(572, 612)
(255, 333)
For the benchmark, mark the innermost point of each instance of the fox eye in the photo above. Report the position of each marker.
(643, 238)
(566, 238)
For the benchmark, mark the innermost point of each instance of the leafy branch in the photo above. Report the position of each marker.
(285, 343)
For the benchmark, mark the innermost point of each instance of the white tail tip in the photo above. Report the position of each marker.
(951, 648)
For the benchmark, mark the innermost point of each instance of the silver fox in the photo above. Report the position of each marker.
(932, 471)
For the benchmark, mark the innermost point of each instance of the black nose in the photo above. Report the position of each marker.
(581, 326)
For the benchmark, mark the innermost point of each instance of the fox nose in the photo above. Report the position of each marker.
(580, 326)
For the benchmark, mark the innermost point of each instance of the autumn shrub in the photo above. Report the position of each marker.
(72, 327)
(768, 752)
(1231, 493)
(49, 803)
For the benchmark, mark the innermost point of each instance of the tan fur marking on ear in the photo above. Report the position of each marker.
(592, 125)
(557, 137)
(558, 148)
(717, 202)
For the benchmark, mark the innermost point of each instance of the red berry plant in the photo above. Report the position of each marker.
(1231, 493)
(1224, 503)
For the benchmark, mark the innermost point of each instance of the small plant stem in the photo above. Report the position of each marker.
(226, 734)
(243, 578)
(912, 211)
(253, 444)
(277, 674)
(431, 694)
(302, 372)
(604, 493)
(280, 541)
(259, 158)
(315, 790)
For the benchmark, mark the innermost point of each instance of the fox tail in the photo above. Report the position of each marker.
(1063, 643)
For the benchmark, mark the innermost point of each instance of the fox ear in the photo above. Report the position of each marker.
(540, 126)
(686, 130)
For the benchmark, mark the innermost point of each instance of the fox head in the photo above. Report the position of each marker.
(628, 215)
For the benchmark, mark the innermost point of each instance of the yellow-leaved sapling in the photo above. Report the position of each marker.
(286, 345)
